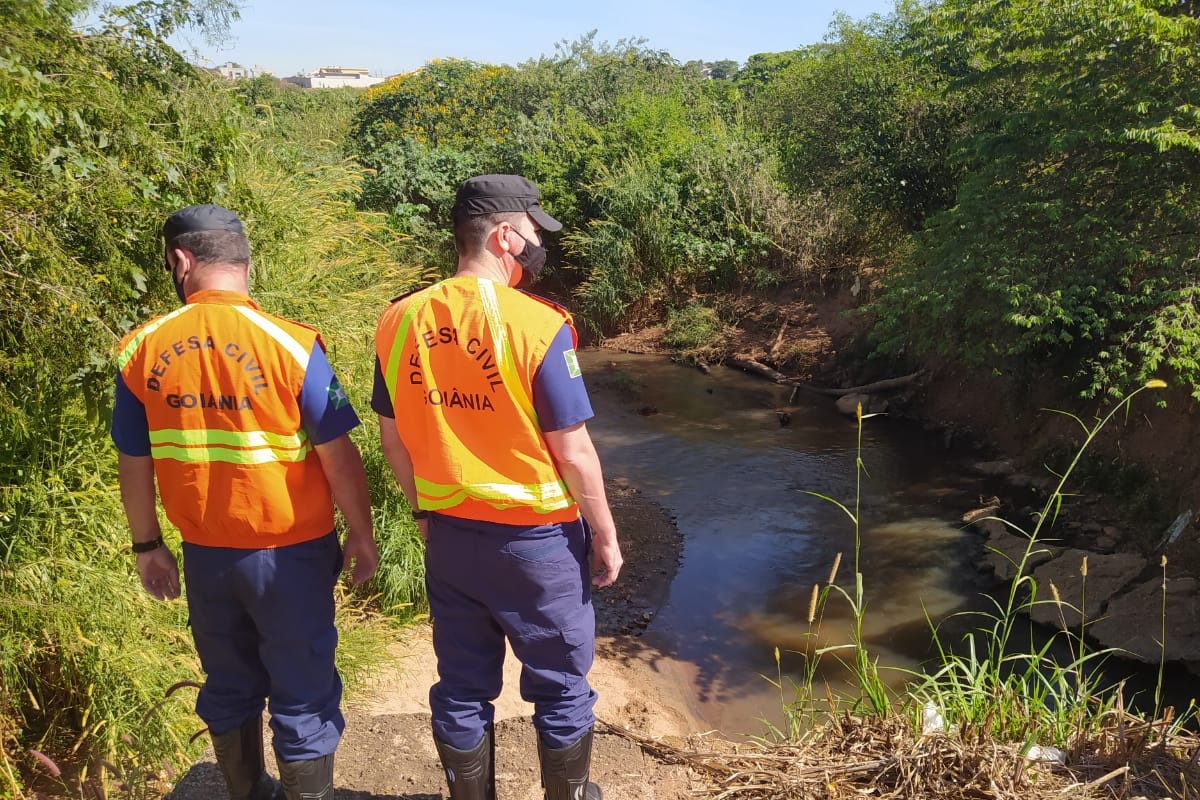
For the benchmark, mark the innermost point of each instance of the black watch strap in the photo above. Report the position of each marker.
(146, 547)
(420, 514)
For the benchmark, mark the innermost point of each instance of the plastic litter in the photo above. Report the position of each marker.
(931, 719)
(1176, 528)
(1045, 755)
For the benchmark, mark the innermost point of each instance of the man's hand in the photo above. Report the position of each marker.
(606, 560)
(360, 550)
(159, 573)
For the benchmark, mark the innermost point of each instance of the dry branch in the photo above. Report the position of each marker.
(750, 365)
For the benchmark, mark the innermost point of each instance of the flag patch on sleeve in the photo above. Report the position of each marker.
(337, 397)
(572, 363)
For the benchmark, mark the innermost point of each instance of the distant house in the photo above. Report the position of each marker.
(231, 70)
(334, 77)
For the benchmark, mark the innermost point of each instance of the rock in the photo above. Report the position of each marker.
(1108, 539)
(1133, 622)
(848, 404)
(994, 468)
(989, 526)
(1007, 549)
(1106, 576)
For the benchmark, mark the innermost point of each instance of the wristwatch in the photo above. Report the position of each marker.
(419, 514)
(146, 547)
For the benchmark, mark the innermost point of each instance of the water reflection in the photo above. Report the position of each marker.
(712, 449)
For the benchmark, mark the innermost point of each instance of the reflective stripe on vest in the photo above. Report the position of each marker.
(134, 343)
(277, 333)
(542, 498)
(232, 447)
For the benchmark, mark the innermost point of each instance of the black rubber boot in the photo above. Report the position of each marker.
(565, 770)
(311, 779)
(240, 757)
(470, 774)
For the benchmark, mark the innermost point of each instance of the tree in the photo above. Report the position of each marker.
(1072, 242)
(865, 120)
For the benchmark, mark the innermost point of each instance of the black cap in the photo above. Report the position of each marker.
(490, 194)
(194, 219)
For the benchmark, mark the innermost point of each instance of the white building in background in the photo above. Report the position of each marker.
(231, 70)
(334, 78)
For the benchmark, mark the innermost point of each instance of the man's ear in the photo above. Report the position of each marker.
(184, 261)
(502, 237)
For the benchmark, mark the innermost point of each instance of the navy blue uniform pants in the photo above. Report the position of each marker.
(487, 582)
(262, 621)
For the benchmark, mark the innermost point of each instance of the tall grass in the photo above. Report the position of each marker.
(1024, 693)
(991, 686)
(874, 696)
(86, 656)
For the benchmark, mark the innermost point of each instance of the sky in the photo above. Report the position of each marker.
(290, 37)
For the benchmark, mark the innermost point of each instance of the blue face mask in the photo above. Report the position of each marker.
(531, 259)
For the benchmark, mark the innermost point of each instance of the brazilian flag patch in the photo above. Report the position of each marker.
(337, 396)
(572, 364)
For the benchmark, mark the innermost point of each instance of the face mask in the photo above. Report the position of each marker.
(175, 280)
(531, 259)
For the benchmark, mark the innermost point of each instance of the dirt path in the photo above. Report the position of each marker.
(387, 752)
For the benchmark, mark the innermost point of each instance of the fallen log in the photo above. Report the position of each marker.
(750, 365)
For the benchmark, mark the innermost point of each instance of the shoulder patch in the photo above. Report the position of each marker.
(572, 363)
(337, 397)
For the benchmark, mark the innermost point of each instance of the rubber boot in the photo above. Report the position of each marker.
(565, 770)
(240, 757)
(311, 779)
(470, 774)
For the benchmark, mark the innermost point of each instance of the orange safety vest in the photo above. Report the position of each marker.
(220, 382)
(459, 360)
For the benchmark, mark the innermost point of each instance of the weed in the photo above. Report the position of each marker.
(989, 689)
(694, 329)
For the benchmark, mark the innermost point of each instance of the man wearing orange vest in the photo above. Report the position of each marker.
(238, 417)
(482, 418)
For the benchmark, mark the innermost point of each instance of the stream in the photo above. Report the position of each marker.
(714, 451)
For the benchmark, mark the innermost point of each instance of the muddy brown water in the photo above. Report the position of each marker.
(712, 449)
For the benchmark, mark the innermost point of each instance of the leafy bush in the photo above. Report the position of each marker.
(693, 328)
(1072, 245)
(101, 136)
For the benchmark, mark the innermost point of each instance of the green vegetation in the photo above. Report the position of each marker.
(1070, 248)
(103, 135)
(987, 700)
(1010, 186)
(693, 329)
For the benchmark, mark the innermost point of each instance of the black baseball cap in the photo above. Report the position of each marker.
(490, 194)
(194, 219)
